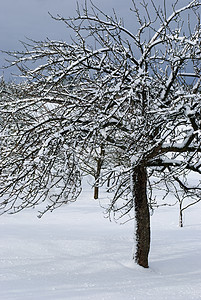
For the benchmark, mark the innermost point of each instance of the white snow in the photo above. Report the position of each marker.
(75, 253)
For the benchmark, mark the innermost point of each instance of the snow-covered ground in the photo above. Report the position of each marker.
(75, 253)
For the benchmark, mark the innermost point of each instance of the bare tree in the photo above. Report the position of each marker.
(136, 93)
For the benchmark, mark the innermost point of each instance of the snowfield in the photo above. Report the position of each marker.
(75, 253)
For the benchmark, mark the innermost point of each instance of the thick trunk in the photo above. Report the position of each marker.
(98, 171)
(97, 175)
(142, 216)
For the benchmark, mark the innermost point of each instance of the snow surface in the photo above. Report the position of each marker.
(75, 253)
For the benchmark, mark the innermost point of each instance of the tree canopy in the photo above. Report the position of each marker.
(135, 94)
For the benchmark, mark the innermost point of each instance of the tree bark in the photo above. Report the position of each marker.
(180, 214)
(142, 216)
(98, 171)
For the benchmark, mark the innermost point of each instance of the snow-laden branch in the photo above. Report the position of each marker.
(79, 97)
(155, 40)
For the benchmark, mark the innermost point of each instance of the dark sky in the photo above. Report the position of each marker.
(29, 18)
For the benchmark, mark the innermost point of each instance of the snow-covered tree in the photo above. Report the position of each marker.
(134, 94)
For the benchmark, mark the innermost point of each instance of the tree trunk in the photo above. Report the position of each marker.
(142, 216)
(98, 171)
(180, 214)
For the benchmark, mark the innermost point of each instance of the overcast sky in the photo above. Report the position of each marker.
(29, 18)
